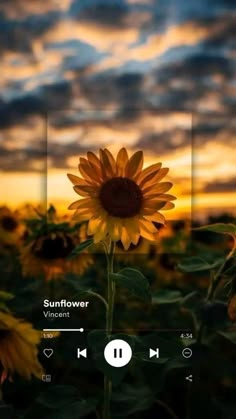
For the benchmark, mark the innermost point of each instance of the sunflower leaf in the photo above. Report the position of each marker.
(59, 402)
(80, 248)
(197, 264)
(134, 281)
(6, 296)
(220, 228)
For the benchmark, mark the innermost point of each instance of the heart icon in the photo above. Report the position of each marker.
(48, 352)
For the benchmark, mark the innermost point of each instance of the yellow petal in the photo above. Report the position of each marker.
(134, 164)
(81, 203)
(146, 231)
(89, 174)
(82, 215)
(160, 188)
(101, 232)
(146, 172)
(106, 166)
(115, 228)
(152, 183)
(166, 197)
(132, 227)
(86, 190)
(111, 159)
(147, 235)
(125, 238)
(77, 180)
(94, 224)
(121, 161)
(92, 158)
(168, 206)
(156, 217)
(147, 225)
(152, 204)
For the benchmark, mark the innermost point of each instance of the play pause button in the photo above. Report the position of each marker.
(118, 353)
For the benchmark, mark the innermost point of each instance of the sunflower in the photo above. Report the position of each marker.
(47, 249)
(18, 343)
(121, 200)
(11, 228)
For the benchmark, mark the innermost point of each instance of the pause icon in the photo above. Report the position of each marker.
(118, 353)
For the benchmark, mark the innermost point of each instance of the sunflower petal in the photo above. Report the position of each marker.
(125, 238)
(111, 159)
(121, 161)
(92, 158)
(146, 172)
(153, 205)
(147, 225)
(115, 228)
(134, 164)
(156, 218)
(149, 179)
(168, 206)
(106, 165)
(81, 203)
(166, 197)
(147, 235)
(101, 232)
(94, 224)
(82, 215)
(85, 190)
(77, 180)
(152, 183)
(91, 176)
(162, 187)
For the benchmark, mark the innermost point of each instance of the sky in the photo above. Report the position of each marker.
(156, 75)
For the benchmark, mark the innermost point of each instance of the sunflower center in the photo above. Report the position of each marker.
(58, 247)
(9, 223)
(121, 197)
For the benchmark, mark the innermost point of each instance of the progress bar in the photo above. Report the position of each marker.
(64, 330)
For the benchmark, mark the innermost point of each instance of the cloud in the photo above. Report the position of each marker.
(23, 160)
(49, 97)
(219, 186)
(155, 45)
(104, 14)
(101, 37)
(17, 35)
(19, 9)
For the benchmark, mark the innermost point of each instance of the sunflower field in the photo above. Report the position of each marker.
(135, 276)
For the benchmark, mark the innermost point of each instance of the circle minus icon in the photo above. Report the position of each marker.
(187, 352)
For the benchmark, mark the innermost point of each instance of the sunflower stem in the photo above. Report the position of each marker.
(109, 325)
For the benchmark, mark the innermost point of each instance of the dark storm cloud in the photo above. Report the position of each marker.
(196, 66)
(221, 186)
(165, 141)
(50, 97)
(213, 128)
(19, 9)
(59, 153)
(104, 13)
(24, 159)
(225, 37)
(17, 35)
(111, 90)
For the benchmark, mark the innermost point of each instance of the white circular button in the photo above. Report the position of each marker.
(118, 353)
